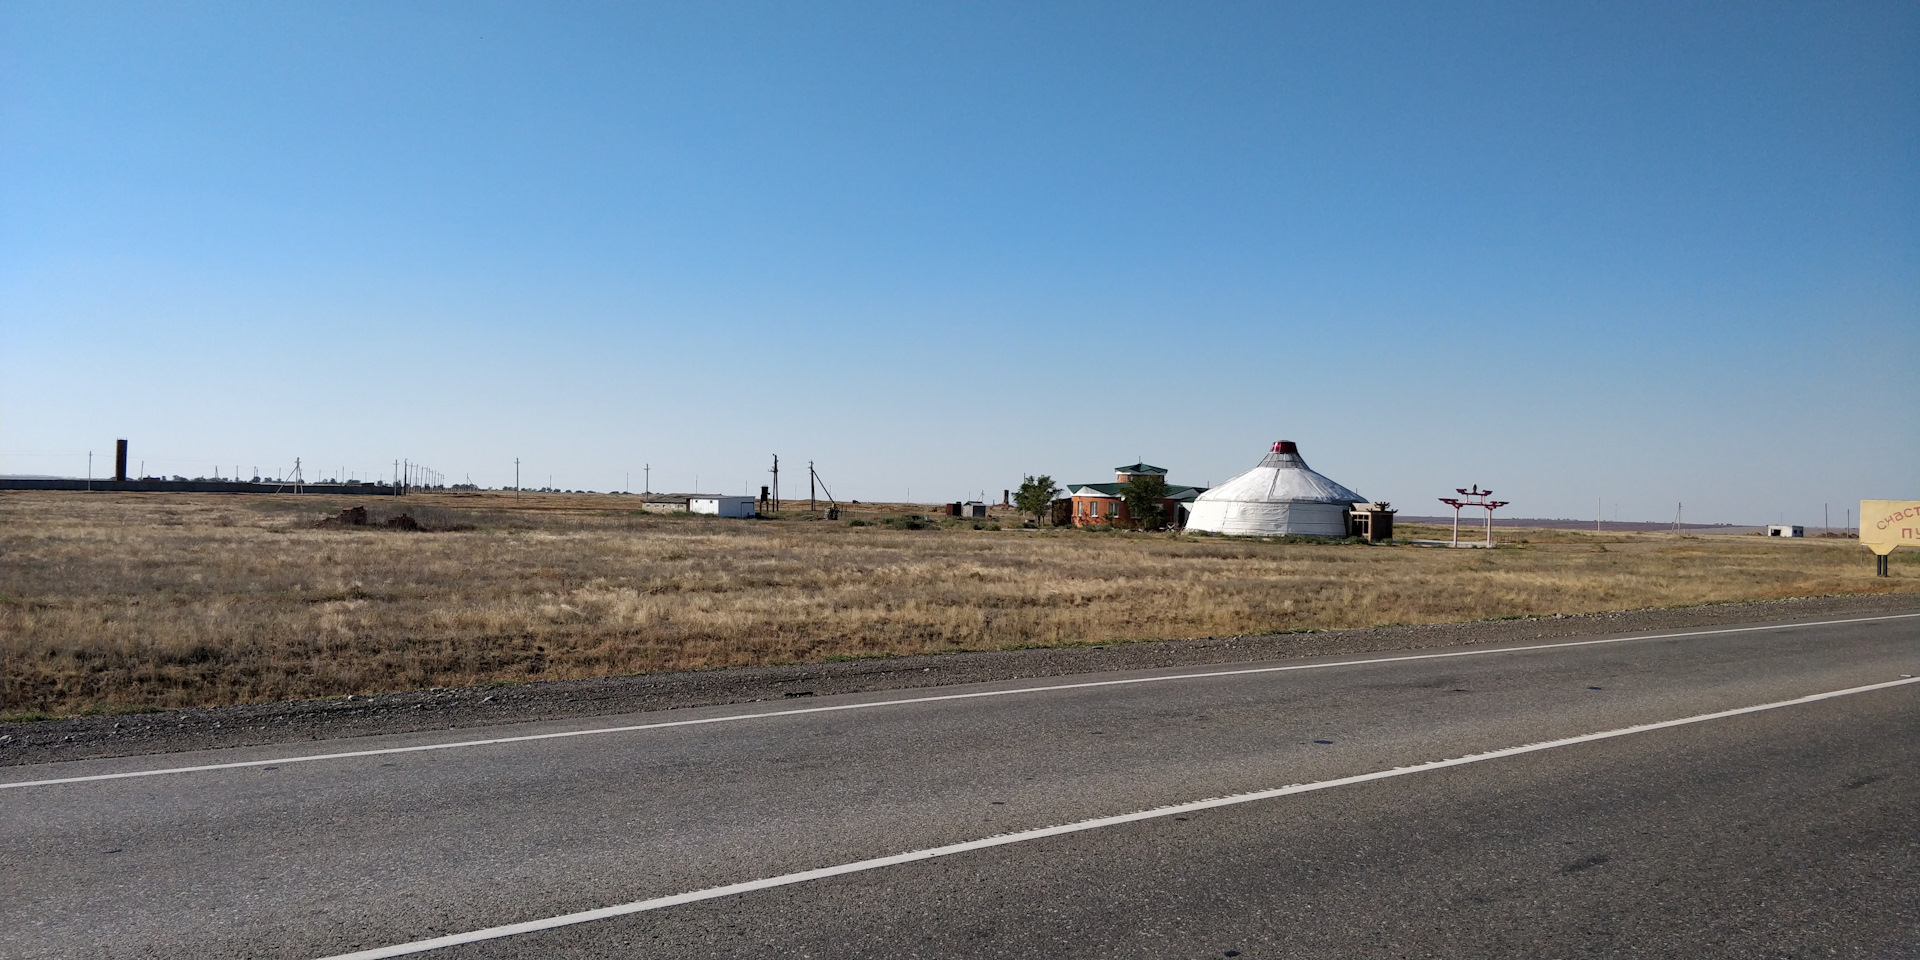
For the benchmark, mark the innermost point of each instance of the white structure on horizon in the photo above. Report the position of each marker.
(1785, 530)
(722, 506)
(1280, 496)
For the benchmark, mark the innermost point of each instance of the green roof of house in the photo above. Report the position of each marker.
(1114, 489)
(1141, 468)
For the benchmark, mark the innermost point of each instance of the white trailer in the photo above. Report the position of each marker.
(722, 506)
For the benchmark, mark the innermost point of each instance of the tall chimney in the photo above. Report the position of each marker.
(120, 461)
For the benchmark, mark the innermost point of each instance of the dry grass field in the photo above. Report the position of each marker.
(138, 601)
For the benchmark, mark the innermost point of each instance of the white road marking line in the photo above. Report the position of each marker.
(903, 701)
(859, 866)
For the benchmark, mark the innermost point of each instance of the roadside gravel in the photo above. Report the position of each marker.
(291, 722)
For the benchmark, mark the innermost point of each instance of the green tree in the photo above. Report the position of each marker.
(1143, 495)
(1035, 496)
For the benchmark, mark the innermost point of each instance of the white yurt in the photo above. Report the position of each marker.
(1280, 496)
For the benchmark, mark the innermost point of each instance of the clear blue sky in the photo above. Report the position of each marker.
(1641, 253)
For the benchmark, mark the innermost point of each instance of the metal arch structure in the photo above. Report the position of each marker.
(1475, 497)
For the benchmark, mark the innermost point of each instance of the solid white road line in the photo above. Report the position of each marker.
(903, 701)
(858, 866)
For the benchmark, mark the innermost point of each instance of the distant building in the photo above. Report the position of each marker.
(722, 506)
(1102, 504)
(714, 504)
(1785, 530)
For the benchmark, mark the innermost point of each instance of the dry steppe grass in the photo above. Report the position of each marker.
(134, 601)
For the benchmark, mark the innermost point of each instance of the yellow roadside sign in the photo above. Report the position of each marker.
(1885, 524)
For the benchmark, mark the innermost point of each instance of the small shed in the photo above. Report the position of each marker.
(722, 506)
(1373, 522)
(1785, 530)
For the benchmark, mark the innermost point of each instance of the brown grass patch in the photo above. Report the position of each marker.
(127, 601)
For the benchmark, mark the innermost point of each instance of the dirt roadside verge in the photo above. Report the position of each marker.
(446, 709)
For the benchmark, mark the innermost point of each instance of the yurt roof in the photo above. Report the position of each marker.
(1282, 476)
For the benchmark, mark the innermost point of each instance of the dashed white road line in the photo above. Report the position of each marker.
(936, 698)
(877, 863)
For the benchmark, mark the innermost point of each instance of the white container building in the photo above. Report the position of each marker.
(722, 506)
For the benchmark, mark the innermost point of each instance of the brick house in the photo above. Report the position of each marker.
(1101, 504)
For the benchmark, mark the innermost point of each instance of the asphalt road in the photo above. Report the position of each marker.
(1782, 832)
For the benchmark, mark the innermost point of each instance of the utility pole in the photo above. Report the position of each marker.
(1826, 520)
(516, 478)
(1597, 510)
(647, 478)
(89, 470)
(810, 504)
(776, 483)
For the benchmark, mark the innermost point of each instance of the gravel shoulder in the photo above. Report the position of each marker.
(174, 731)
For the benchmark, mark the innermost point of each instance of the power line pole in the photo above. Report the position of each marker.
(516, 478)
(810, 477)
(647, 478)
